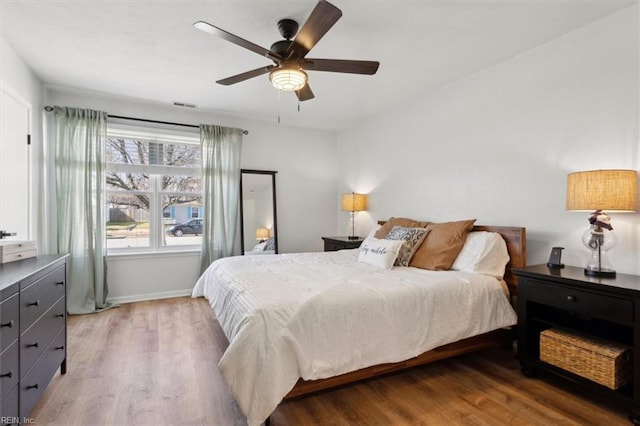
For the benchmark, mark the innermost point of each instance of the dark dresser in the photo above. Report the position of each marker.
(33, 334)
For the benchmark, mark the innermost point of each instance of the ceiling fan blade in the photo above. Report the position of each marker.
(305, 93)
(245, 75)
(322, 18)
(211, 29)
(341, 65)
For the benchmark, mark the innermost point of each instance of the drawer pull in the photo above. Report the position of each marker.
(571, 298)
(60, 283)
(59, 348)
(9, 374)
(36, 303)
(8, 324)
(32, 387)
(59, 315)
(33, 345)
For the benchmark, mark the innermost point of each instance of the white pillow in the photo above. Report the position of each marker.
(484, 253)
(382, 253)
(373, 231)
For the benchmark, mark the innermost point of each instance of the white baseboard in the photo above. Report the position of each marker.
(150, 296)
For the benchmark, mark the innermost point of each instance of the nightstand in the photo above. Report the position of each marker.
(340, 243)
(607, 308)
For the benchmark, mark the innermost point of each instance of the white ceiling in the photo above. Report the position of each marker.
(149, 50)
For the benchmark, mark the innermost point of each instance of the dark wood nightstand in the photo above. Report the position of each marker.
(340, 243)
(608, 308)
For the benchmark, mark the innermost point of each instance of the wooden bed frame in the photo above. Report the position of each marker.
(516, 246)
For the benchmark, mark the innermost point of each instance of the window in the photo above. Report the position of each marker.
(153, 189)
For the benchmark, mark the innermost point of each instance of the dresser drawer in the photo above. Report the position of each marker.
(36, 339)
(9, 321)
(39, 296)
(595, 305)
(10, 409)
(38, 377)
(9, 363)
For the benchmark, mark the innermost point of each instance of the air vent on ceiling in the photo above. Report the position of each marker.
(182, 104)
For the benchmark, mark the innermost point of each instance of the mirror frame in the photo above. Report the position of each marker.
(273, 199)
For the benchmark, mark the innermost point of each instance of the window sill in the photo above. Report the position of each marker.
(141, 254)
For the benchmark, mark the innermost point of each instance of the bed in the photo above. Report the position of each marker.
(263, 247)
(299, 323)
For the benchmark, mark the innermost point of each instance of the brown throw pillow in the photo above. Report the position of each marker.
(442, 245)
(398, 221)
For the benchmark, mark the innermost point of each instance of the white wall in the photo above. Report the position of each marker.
(306, 185)
(497, 145)
(20, 82)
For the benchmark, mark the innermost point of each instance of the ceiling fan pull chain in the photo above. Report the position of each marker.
(278, 107)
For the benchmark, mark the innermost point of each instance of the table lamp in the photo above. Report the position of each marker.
(262, 234)
(600, 191)
(354, 203)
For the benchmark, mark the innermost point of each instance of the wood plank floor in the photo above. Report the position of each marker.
(155, 363)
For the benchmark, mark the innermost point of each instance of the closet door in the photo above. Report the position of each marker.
(15, 208)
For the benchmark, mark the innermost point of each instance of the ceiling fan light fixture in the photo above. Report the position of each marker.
(288, 79)
(289, 55)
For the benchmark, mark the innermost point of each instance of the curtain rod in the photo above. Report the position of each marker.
(49, 108)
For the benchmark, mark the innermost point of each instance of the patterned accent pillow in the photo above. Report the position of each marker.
(412, 238)
(270, 244)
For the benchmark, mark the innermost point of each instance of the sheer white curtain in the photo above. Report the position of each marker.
(74, 201)
(221, 149)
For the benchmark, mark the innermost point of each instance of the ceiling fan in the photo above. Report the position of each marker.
(288, 73)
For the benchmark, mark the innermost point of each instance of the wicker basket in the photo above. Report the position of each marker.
(605, 362)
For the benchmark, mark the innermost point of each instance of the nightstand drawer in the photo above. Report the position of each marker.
(341, 243)
(595, 305)
(332, 246)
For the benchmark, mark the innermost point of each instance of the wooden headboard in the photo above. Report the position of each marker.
(516, 239)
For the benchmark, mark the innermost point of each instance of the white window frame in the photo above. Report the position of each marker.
(155, 172)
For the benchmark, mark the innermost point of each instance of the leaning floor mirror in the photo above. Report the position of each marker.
(258, 230)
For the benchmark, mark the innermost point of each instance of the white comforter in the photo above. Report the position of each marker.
(316, 315)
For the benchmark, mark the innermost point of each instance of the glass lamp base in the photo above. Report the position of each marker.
(599, 241)
(602, 273)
